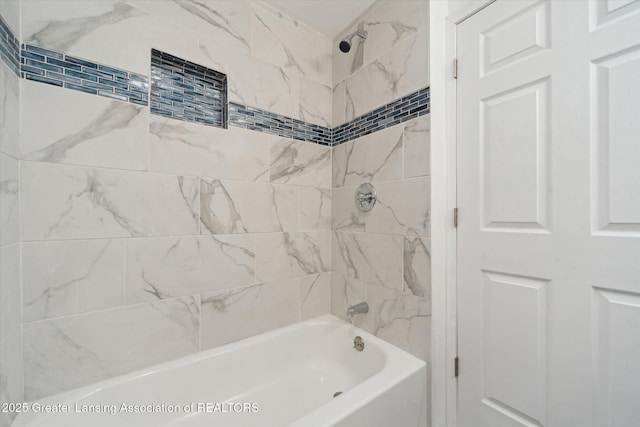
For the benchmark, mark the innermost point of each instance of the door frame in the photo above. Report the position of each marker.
(444, 17)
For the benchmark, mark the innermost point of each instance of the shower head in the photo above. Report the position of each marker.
(345, 44)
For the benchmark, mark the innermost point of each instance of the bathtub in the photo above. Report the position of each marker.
(286, 377)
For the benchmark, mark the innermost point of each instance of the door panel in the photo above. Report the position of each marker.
(548, 142)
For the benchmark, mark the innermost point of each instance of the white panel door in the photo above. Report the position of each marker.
(548, 160)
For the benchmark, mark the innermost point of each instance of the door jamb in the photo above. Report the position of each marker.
(444, 19)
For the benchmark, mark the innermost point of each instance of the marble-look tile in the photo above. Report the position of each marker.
(229, 21)
(346, 292)
(69, 352)
(402, 207)
(315, 103)
(230, 207)
(399, 72)
(338, 106)
(9, 189)
(290, 45)
(374, 157)
(345, 64)
(88, 131)
(284, 255)
(9, 290)
(110, 32)
(252, 81)
(9, 111)
(10, 11)
(403, 320)
(315, 209)
(240, 313)
(180, 147)
(167, 267)
(417, 147)
(94, 203)
(11, 380)
(315, 295)
(417, 267)
(392, 22)
(300, 163)
(371, 258)
(345, 215)
(69, 277)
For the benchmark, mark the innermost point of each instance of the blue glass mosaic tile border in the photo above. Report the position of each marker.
(276, 124)
(187, 91)
(406, 108)
(9, 47)
(58, 69)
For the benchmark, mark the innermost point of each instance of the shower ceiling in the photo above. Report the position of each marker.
(327, 16)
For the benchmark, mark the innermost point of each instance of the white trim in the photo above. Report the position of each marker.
(444, 17)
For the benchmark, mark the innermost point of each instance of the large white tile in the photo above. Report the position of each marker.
(69, 352)
(185, 148)
(338, 105)
(315, 209)
(9, 111)
(417, 146)
(399, 72)
(240, 313)
(89, 130)
(284, 255)
(167, 267)
(345, 292)
(229, 21)
(93, 203)
(110, 32)
(9, 204)
(371, 258)
(315, 295)
(402, 207)
(315, 103)
(374, 157)
(9, 290)
(417, 267)
(230, 207)
(392, 22)
(291, 45)
(252, 81)
(11, 380)
(345, 214)
(300, 163)
(403, 320)
(68, 277)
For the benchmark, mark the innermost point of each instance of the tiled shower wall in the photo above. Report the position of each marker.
(382, 256)
(10, 337)
(159, 236)
(164, 237)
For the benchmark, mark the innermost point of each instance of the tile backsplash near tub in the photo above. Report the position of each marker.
(173, 231)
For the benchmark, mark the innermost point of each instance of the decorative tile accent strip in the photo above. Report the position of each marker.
(9, 47)
(58, 69)
(276, 124)
(186, 91)
(406, 108)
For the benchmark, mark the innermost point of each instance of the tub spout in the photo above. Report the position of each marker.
(362, 307)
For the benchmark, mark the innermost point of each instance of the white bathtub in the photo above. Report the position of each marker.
(286, 377)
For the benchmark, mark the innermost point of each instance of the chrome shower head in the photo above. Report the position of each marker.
(345, 44)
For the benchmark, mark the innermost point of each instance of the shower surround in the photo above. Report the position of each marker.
(143, 238)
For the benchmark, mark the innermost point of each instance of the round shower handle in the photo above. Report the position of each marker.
(365, 197)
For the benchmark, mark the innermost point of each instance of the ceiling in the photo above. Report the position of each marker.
(327, 16)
